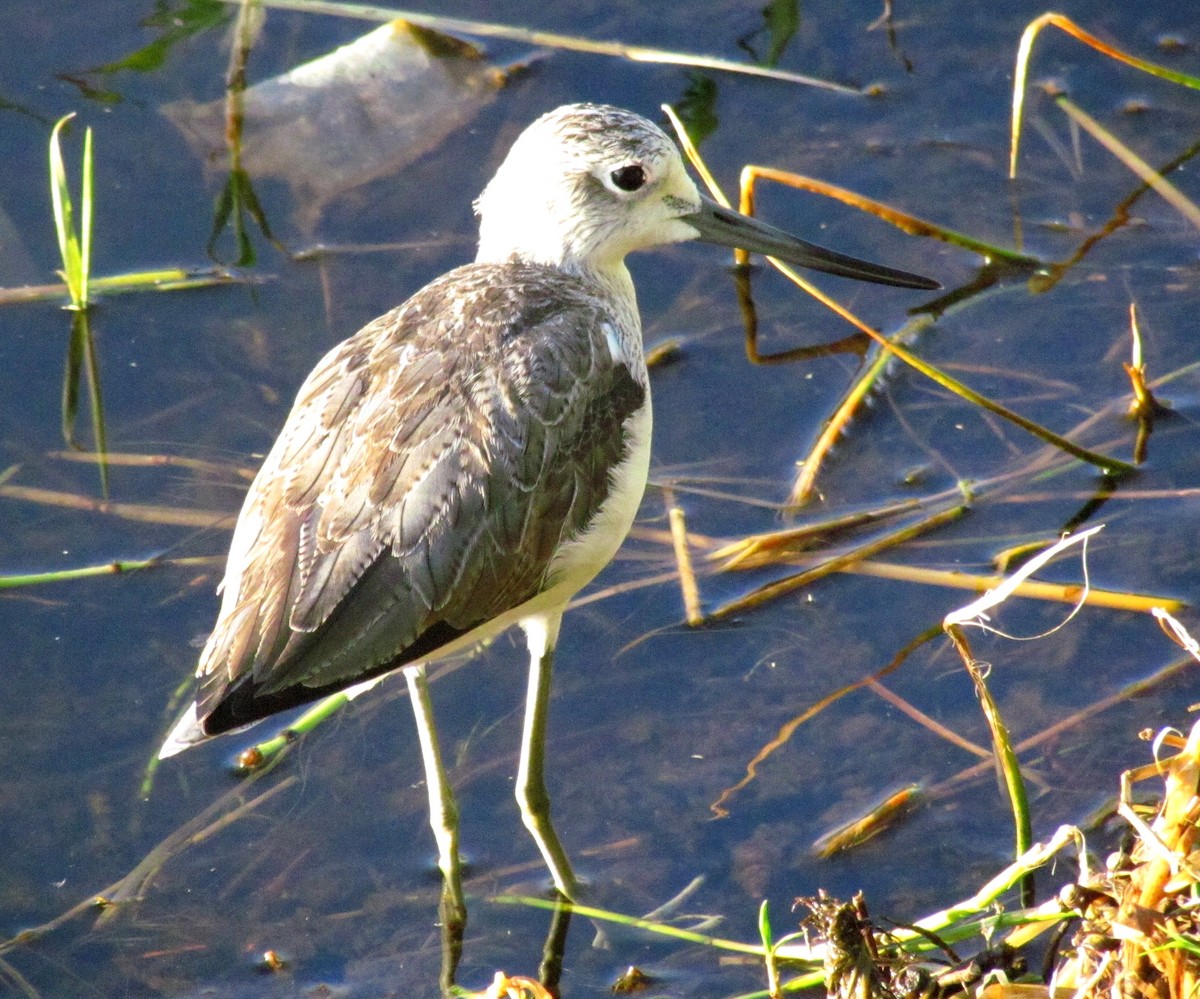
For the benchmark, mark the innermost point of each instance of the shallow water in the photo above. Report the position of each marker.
(651, 720)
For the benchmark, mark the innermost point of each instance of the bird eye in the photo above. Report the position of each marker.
(629, 178)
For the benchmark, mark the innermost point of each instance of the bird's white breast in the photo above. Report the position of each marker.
(578, 560)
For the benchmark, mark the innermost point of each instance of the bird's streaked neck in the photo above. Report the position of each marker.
(609, 271)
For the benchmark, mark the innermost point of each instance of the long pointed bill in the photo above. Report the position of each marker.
(726, 227)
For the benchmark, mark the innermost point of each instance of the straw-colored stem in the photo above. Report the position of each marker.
(550, 39)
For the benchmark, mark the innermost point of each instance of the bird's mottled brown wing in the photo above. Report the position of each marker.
(427, 472)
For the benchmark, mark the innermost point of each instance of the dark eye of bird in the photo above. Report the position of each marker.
(629, 178)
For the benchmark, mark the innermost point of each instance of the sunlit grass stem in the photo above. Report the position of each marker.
(767, 937)
(74, 246)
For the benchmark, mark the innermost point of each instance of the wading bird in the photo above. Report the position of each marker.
(474, 457)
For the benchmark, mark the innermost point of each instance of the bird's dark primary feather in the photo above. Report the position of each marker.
(428, 470)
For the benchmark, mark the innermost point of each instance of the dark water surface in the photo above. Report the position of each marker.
(334, 871)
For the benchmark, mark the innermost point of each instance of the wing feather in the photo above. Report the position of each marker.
(429, 469)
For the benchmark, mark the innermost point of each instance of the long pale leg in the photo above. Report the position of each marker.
(443, 818)
(541, 633)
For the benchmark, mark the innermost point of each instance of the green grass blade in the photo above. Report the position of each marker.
(651, 926)
(1036, 856)
(74, 246)
(259, 755)
(768, 942)
(764, 926)
(85, 212)
(64, 223)
(116, 568)
(169, 279)
(1010, 769)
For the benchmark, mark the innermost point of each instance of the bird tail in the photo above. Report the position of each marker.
(185, 734)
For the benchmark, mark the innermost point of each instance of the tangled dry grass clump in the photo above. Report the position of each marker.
(1128, 930)
(1139, 935)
